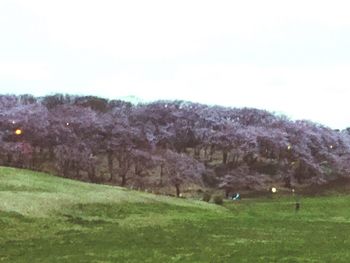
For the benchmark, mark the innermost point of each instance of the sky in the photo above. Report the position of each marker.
(289, 57)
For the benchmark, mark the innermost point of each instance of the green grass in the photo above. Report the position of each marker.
(48, 219)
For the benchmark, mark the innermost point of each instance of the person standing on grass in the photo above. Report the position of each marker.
(297, 201)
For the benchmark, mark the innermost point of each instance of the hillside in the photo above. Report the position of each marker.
(168, 146)
(41, 195)
(49, 219)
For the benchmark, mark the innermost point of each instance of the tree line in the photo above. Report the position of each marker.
(167, 143)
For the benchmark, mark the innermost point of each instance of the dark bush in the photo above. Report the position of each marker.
(218, 199)
(206, 197)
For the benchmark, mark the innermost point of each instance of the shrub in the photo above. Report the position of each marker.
(206, 197)
(218, 199)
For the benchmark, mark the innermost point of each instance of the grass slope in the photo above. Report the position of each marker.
(49, 219)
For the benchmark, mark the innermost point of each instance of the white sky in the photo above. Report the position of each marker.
(285, 56)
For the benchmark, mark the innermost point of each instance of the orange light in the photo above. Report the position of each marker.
(18, 132)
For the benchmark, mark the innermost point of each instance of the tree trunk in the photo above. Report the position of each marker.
(51, 153)
(212, 150)
(197, 152)
(124, 167)
(137, 169)
(35, 157)
(77, 173)
(227, 192)
(91, 169)
(9, 159)
(110, 165)
(65, 169)
(287, 181)
(161, 175)
(123, 183)
(91, 175)
(41, 154)
(224, 156)
(177, 186)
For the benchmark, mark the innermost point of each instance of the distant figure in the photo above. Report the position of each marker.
(236, 196)
(297, 204)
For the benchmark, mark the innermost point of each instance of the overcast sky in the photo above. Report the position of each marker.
(291, 57)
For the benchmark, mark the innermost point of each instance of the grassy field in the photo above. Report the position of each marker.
(49, 219)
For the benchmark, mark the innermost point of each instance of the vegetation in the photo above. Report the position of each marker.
(48, 219)
(218, 199)
(206, 197)
(168, 144)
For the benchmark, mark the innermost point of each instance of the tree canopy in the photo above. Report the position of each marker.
(167, 143)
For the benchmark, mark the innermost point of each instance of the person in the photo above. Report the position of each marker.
(297, 204)
(236, 196)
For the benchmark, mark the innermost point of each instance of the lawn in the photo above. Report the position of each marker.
(49, 219)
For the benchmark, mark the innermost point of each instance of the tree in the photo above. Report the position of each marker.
(241, 178)
(71, 160)
(97, 139)
(181, 169)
